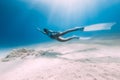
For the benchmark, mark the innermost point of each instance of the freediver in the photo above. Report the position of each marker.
(57, 35)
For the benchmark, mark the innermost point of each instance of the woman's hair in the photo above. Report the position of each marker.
(45, 30)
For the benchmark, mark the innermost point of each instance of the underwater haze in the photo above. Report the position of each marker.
(20, 18)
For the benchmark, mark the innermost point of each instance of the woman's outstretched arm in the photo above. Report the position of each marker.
(40, 30)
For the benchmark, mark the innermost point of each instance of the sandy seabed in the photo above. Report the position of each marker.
(96, 60)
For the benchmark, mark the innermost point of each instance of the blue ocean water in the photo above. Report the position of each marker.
(19, 19)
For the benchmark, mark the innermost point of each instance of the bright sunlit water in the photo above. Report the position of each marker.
(19, 19)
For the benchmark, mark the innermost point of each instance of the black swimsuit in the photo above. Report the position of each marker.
(53, 35)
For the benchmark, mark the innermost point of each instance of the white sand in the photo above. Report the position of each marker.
(66, 61)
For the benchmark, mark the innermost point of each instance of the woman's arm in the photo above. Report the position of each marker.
(40, 30)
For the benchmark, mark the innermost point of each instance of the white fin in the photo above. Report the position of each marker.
(101, 26)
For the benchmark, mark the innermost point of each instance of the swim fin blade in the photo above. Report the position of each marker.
(100, 26)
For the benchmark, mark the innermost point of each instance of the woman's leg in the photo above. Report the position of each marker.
(66, 39)
(71, 30)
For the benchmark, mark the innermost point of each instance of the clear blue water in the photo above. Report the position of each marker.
(19, 18)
